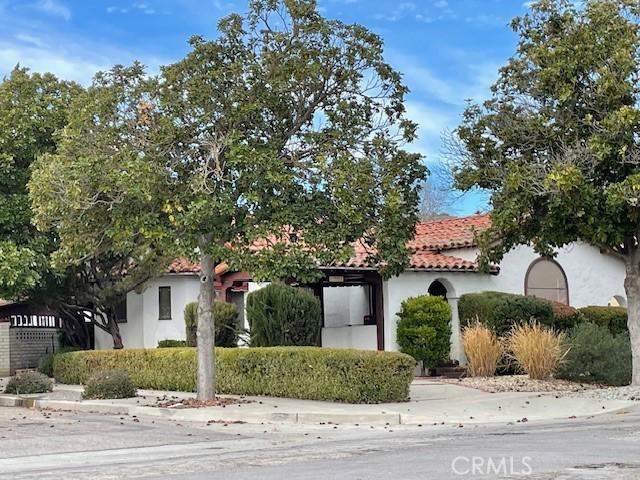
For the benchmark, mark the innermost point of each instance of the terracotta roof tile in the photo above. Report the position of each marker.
(430, 240)
(182, 265)
(449, 233)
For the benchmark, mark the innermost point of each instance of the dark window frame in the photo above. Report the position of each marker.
(162, 316)
(119, 309)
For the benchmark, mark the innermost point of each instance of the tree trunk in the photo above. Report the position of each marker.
(114, 330)
(206, 332)
(632, 288)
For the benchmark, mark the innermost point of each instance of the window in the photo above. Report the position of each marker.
(546, 279)
(164, 303)
(121, 311)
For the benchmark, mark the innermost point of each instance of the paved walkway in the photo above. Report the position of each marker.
(431, 402)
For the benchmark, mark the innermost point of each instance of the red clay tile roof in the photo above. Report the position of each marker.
(430, 240)
(449, 233)
(182, 265)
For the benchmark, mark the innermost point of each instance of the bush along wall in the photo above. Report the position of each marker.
(612, 318)
(226, 324)
(312, 373)
(501, 311)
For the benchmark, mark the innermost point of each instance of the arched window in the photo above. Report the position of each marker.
(546, 279)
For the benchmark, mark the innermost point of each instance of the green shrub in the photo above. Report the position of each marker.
(565, 317)
(296, 372)
(108, 384)
(169, 343)
(597, 356)
(226, 321)
(424, 329)
(613, 318)
(280, 315)
(29, 382)
(45, 365)
(501, 311)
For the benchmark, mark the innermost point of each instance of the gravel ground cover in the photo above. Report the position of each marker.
(522, 383)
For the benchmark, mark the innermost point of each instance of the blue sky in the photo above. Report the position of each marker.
(448, 50)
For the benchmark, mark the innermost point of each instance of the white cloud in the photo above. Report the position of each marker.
(53, 8)
(401, 11)
(142, 7)
(441, 4)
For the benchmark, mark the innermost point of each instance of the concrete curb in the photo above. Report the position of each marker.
(200, 414)
(226, 415)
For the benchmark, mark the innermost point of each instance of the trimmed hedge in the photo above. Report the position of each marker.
(597, 356)
(45, 364)
(500, 311)
(312, 373)
(613, 318)
(170, 343)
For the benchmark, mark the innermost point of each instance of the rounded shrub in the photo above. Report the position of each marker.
(613, 318)
(109, 384)
(597, 356)
(225, 315)
(280, 315)
(28, 383)
(424, 329)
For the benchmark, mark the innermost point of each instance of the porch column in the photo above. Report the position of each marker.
(457, 352)
(379, 311)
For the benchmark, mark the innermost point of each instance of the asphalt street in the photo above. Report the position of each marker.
(62, 445)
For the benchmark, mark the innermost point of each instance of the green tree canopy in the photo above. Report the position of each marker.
(32, 108)
(556, 144)
(285, 132)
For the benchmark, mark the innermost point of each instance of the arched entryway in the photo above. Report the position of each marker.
(437, 289)
(441, 287)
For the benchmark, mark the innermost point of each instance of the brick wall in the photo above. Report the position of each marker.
(5, 364)
(28, 345)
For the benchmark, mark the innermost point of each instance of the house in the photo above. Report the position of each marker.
(359, 307)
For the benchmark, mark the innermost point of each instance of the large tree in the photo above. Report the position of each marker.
(279, 144)
(557, 144)
(32, 108)
(98, 193)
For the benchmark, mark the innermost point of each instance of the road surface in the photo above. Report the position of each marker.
(62, 445)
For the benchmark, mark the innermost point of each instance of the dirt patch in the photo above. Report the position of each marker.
(519, 383)
(195, 403)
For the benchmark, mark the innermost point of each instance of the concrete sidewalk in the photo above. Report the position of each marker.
(431, 402)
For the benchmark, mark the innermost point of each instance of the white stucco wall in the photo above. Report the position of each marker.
(345, 305)
(593, 278)
(143, 328)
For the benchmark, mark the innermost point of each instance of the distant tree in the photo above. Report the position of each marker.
(557, 142)
(435, 200)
